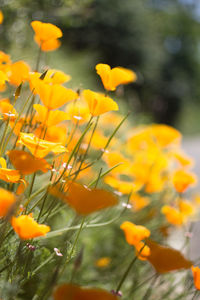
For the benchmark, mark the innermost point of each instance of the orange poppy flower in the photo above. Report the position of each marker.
(38, 147)
(49, 45)
(49, 118)
(8, 175)
(111, 78)
(75, 292)
(98, 103)
(139, 201)
(56, 77)
(86, 201)
(54, 96)
(7, 200)
(27, 228)
(134, 233)
(77, 112)
(173, 215)
(25, 163)
(19, 72)
(46, 35)
(7, 109)
(3, 79)
(182, 180)
(55, 134)
(196, 276)
(165, 259)
(5, 62)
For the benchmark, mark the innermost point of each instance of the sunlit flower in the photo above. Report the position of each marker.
(78, 112)
(6, 174)
(19, 72)
(134, 233)
(173, 215)
(54, 96)
(111, 78)
(98, 103)
(46, 35)
(49, 118)
(7, 109)
(183, 179)
(38, 147)
(27, 228)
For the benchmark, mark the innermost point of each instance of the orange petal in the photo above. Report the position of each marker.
(165, 259)
(74, 292)
(54, 96)
(49, 118)
(7, 199)
(26, 163)
(98, 103)
(134, 233)
(86, 201)
(27, 228)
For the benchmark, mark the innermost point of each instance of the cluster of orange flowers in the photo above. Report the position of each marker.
(141, 162)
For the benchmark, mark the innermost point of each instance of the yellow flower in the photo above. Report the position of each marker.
(38, 147)
(111, 78)
(98, 103)
(27, 228)
(134, 233)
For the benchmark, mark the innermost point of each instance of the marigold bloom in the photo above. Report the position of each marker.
(183, 179)
(19, 72)
(86, 201)
(7, 199)
(46, 35)
(54, 96)
(134, 233)
(75, 292)
(173, 216)
(8, 175)
(111, 78)
(38, 147)
(27, 228)
(196, 276)
(25, 163)
(98, 103)
(49, 118)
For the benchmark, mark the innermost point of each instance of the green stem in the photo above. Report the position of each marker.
(126, 274)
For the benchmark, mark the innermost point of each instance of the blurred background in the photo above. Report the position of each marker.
(159, 39)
